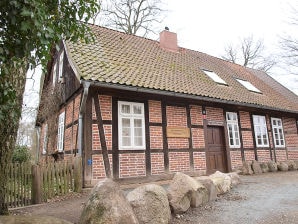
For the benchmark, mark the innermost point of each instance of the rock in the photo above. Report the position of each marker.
(235, 179)
(264, 167)
(150, 204)
(246, 168)
(209, 185)
(200, 196)
(26, 219)
(107, 205)
(291, 165)
(272, 166)
(296, 162)
(222, 182)
(282, 166)
(182, 193)
(256, 167)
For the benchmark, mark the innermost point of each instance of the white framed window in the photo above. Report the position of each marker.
(233, 129)
(131, 125)
(60, 138)
(214, 77)
(45, 139)
(261, 134)
(278, 133)
(54, 73)
(248, 85)
(61, 57)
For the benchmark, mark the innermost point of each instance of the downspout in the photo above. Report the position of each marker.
(86, 86)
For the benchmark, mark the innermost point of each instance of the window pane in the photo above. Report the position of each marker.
(138, 141)
(137, 109)
(126, 141)
(125, 109)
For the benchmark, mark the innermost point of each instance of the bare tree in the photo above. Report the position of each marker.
(136, 17)
(289, 44)
(249, 53)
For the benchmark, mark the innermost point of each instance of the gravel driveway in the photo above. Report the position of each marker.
(266, 198)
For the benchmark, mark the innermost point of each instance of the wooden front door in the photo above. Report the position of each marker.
(216, 150)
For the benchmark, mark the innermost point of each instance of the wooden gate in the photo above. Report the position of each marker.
(216, 150)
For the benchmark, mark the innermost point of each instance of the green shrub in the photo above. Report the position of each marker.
(21, 154)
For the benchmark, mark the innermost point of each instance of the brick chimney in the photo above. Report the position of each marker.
(168, 40)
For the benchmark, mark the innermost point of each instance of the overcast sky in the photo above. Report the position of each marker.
(208, 26)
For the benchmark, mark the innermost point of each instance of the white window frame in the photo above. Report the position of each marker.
(131, 116)
(260, 126)
(215, 77)
(233, 123)
(278, 132)
(248, 86)
(45, 139)
(61, 57)
(60, 137)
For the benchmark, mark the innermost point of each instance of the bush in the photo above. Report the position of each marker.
(21, 154)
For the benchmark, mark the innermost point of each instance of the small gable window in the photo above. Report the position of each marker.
(214, 77)
(131, 125)
(61, 64)
(248, 85)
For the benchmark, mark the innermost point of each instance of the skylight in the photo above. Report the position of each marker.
(248, 85)
(214, 77)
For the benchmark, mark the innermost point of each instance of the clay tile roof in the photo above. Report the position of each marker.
(128, 60)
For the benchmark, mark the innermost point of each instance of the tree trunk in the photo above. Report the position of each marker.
(12, 86)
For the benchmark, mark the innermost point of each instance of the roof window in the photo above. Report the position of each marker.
(215, 77)
(248, 85)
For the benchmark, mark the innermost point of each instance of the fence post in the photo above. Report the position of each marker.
(77, 173)
(36, 185)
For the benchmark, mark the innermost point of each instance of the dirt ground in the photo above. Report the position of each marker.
(266, 198)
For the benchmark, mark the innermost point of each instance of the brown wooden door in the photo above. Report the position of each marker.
(216, 150)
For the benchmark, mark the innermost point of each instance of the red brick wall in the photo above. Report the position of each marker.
(247, 139)
(293, 154)
(95, 138)
(154, 111)
(196, 115)
(156, 137)
(77, 106)
(263, 155)
(290, 132)
(105, 103)
(214, 114)
(132, 165)
(98, 168)
(281, 155)
(236, 159)
(198, 140)
(68, 139)
(249, 155)
(245, 119)
(157, 163)
(179, 161)
(199, 160)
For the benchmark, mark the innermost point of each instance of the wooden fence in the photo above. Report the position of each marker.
(33, 184)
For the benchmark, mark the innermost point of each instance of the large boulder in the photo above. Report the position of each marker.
(235, 178)
(282, 166)
(256, 167)
(291, 165)
(107, 205)
(150, 204)
(182, 193)
(246, 168)
(222, 182)
(272, 166)
(26, 219)
(209, 185)
(264, 167)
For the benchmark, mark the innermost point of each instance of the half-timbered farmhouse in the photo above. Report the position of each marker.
(140, 109)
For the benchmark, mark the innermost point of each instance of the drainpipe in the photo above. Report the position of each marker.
(86, 86)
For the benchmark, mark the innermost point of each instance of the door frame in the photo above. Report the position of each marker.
(222, 124)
